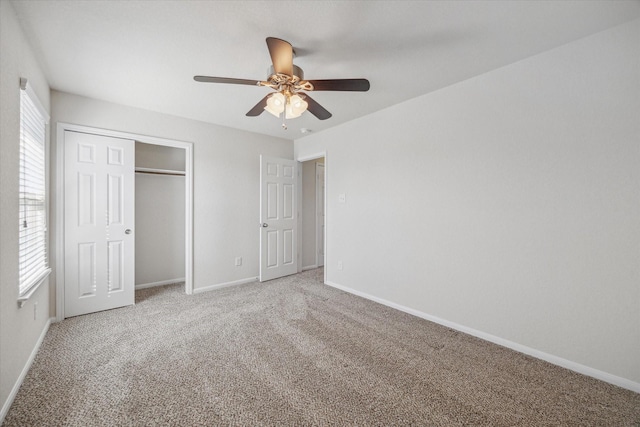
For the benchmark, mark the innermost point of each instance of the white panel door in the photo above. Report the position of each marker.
(278, 218)
(320, 210)
(98, 223)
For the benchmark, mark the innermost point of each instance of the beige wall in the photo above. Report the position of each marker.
(19, 330)
(508, 204)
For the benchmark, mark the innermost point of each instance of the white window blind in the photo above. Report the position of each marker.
(33, 266)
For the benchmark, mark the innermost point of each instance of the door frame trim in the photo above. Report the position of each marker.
(59, 220)
(318, 165)
(300, 160)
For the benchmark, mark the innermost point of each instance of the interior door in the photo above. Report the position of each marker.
(278, 218)
(320, 210)
(99, 216)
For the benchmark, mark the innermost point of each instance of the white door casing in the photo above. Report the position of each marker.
(278, 218)
(320, 210)
(98, 223)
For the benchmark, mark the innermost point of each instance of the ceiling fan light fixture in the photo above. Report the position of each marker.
(296, 107)
(287, 82)
(290, 114)
(275, 104)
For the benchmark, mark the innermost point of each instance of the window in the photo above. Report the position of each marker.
(32, 255)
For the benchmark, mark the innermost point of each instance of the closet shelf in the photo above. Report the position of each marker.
(154, 171)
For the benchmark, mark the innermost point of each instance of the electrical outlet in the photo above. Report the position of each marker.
(339, 265)
(35, 310)
(342, 198)
(238, 261)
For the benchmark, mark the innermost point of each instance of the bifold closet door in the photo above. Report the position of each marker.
(99, 219)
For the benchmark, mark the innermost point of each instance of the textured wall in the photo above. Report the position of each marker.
(508, 203)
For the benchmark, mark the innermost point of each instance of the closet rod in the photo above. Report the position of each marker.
(159, 171)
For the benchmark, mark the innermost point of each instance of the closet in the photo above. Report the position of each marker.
(159, 215)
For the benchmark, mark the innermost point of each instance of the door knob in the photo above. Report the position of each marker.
(127, 231)
(264, 224)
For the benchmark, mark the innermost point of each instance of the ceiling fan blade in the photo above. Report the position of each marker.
(281, 55)
(316, 109)
(259, 107)
(207, 79)
(354, 85)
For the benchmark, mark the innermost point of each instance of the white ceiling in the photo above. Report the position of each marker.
(145, 53)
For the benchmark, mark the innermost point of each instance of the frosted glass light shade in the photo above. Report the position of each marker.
(275, 104)
(296, 107)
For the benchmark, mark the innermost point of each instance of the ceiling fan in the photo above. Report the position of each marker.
(287, 80)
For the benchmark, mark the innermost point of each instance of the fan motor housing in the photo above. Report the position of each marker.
(297, 72)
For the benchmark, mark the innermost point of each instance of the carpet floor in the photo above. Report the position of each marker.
(293, 352)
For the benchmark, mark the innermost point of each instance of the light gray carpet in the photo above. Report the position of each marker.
(293, 352)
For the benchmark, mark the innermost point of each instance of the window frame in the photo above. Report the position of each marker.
(36, 116)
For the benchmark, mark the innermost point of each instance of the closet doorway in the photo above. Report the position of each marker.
(159, 215)
(312, 207)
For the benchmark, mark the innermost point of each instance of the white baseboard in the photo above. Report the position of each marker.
(559, 361)
(160, 283)
(309, 267)
(23, 374)
(224, 285)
